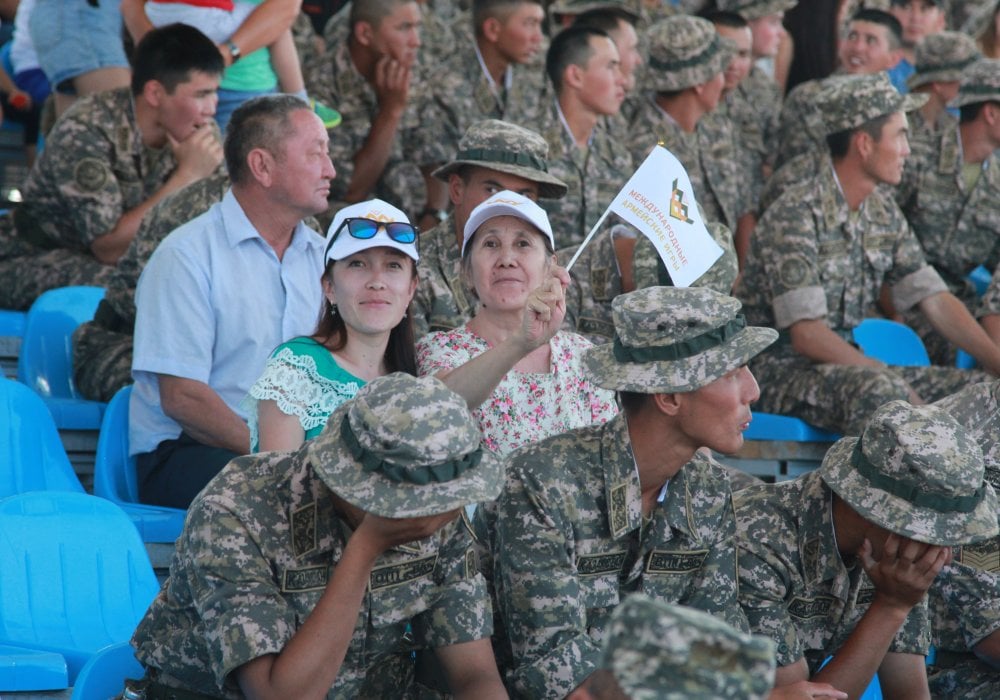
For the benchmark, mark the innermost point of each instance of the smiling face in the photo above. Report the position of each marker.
(507, 259)
(716, 414)
(371, 289)
(867, 48)
(304, 168)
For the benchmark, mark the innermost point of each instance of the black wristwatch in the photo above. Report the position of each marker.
(234, 51)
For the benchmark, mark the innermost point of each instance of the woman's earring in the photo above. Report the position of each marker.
(333, 307)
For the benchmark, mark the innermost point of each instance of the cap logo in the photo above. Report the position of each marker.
(441, 472)
(912, 493)
(501, 200)
(682, 349)
(378, 216)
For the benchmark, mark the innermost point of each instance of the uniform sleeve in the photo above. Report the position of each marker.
(990, 301)
(539, 593)
(463, 612)
(912, 279)
(786, 237)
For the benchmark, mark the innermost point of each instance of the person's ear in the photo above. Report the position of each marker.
(364, 33)
(262, 165)
(492, 29)
(668, 404)
(153, 92)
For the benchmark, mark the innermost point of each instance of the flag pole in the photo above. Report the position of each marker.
(587, 239)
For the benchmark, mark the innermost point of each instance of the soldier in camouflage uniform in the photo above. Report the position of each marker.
(821, 254)
(838, 561)
(102, 348)
(371, 79)
(492, 156)
(584, 149)
(940, 60)
(657, 651)
(592, 515)
(872, 44)
(437, 36)
(950, 195)
(108, 161)
(684, 85)
(320, 571)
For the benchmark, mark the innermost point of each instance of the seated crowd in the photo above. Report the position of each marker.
(421, 458)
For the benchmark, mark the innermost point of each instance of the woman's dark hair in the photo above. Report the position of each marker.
(400, 351)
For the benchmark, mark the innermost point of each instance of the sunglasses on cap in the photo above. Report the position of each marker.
(364, 229)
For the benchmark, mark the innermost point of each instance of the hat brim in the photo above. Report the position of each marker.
(578, 8)
(767, 8)
(549, 186)
(932, 76)
(912, 521)
(378, 495)
(675, 375)
(669, 81)
(970, 99)
(906, 103)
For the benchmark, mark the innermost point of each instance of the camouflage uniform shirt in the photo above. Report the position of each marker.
(335, 81)
(957, 227)
(596, 281)
(258, 547)
(441, 302)
(801, 125)
(594, 174)
(572, 542)
(794, 587)
(709, 155)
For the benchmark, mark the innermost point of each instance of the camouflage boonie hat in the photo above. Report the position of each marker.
(659, 651)
(915, 472)
(980, 83)
(671, 339)
(578, 7)
(507, 148)
(755, 9)
(405, 447)
(942, 57)
(850, 101)
(684, 51)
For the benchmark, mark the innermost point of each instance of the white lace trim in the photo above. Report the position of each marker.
(294, 383)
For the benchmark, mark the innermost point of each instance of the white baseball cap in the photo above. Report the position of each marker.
(341, 244)
(507, 203)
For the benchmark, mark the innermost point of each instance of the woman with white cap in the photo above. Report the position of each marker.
(519, 373)
(364, 329)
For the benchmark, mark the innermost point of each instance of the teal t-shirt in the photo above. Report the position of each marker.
(253, 72)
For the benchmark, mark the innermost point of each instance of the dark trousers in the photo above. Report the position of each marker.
(174, 473)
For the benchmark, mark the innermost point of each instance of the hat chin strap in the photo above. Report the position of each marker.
(911, 493)
(682, 349)
(440, 473)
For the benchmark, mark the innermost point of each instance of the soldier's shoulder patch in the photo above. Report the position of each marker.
(982, 555)
(793, 272)
(90, 175)
(303, 527)
(805, 608)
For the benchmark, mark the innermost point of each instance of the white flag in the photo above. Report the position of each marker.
(658, 200)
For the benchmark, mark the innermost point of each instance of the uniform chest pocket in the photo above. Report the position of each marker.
(402, 590)
(669, 573)
(599, 578)
(878, 253)
(832, 260)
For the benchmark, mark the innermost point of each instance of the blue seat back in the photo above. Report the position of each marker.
(46, 360)
(104, 675)
(32, 457)
(114, 469)
(891, 342)
(74, 575)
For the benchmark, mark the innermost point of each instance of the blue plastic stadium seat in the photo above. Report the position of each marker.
(11, 333)
(964, 360)
(115, 478)
(980, 277)
(46, 360)
(29, 669)
(891, 342)
(104, 675)
(32, 457)
(771, 426)
(74, 575)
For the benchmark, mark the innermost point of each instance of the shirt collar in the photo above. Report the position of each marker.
(239, 228)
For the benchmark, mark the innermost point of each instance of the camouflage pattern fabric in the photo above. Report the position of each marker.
(964, 605)
(658, 651)
(572, 543)
(596, 281)
(813, 259)
(437, 35)
(793, 584)
(800, 123)
(923, 131)
(709, 155)
(334, 81)
(259, 546)
(102, 348)
(405, 447)
(460, 95)
(94, 169)
(850, 101)
(670, 339)
(941, 57)
(441, 302)
(684, 51)
(755, 9)
(594, 174)
(980, 83)
(917, 472)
